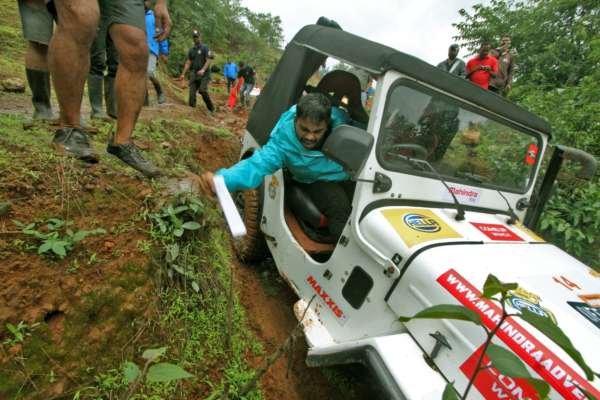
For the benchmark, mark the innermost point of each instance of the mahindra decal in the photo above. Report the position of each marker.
(497, 232)
(329, 302)
(541, 359)
(492, 384)
(469, 195)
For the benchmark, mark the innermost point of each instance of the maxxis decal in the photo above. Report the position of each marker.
(542, 360)
(329, 302)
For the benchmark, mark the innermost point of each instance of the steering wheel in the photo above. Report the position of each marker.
(419, 151)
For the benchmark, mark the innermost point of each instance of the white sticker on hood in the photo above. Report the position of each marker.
(464, 195)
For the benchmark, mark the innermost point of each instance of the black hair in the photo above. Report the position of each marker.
(242, 64)
(315, 107)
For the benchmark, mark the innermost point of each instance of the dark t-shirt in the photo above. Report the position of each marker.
(197, 55)
(248, 74)
(456, 68)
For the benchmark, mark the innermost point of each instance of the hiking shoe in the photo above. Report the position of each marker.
(161, 98)
(130, 155)
(75, 142)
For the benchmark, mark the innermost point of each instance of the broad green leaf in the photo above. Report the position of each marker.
(446, 311)
(79, 236)
(191, 225)
(493, 286)
(59, 249)
(449, 392)
(131, 371)
(507, 362)
(178, 232)
(45, 247)
(153, 354)
(180, 209)
(165, 372)
(195, 286)
(553, 332)
(540, 386)
(173, 252)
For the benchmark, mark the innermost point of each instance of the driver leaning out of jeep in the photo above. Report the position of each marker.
(295, 144)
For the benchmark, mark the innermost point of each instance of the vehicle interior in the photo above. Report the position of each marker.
(307, 224)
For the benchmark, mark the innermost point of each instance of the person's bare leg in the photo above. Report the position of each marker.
(131, 77)
(69, 54)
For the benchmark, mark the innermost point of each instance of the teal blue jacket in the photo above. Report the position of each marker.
(284, 149)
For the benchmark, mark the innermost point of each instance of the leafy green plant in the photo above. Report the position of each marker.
(506, 362)
(152, 371)
(58, 239)
(19, 332)
(173, 220)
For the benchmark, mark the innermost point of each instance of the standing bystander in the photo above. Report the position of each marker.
(453, 64)
(76, 27)
(502, 83)
(482, 67)
(249, 75)
(198, 63)
(230, 71)
(154, 46)
(37, 26)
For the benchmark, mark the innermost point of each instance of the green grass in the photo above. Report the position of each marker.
(12, 44)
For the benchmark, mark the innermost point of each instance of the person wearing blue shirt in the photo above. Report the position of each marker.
(155, 48)
(230, 71)
(295, 143)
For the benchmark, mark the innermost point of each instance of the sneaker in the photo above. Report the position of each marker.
(130, 155)
(76, 142)
(161, 98)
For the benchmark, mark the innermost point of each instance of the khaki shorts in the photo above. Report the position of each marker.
(36, 21)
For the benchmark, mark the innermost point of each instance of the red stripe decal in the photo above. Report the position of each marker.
(535, 354)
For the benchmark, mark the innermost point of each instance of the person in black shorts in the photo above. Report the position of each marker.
(69, 61)
(198, 63)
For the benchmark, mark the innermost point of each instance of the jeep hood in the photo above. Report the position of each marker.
(446, 262)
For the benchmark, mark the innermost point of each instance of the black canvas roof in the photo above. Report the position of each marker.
(314, 43)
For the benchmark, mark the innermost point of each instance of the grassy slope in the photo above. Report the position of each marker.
(113, 295)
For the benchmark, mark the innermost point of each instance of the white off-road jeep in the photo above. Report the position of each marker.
(445, 172)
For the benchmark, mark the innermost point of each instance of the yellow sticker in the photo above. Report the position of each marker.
(532, 234)
(418, 225)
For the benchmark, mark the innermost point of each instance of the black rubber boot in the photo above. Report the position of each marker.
(39, 83)
(159, 91)
(95, 92)
(110, 96)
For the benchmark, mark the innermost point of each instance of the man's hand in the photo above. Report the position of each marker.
(207, 184)
(163, 20)
(181, 77)
(200, 72)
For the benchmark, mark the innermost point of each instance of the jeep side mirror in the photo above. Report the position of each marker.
(349, 146)
(561, 153)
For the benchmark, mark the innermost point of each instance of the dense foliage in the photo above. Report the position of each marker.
(229, 29)
(557, 45)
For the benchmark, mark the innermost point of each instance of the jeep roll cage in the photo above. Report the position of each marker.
(314, 43)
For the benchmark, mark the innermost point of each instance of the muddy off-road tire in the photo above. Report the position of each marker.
(252, 247)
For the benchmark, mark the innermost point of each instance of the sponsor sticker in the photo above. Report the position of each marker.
(520, 299)
(273, 185)
(590, 313)
(594, 273)
(492, 384)
(463, 195)
(592, 300)
(566, 282)
(564, 379)
(497, 232)
(418, 225)
(329, 302)
(534, 236)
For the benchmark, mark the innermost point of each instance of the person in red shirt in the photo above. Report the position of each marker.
(482, 67)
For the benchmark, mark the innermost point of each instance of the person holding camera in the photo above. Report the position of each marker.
(482, 67)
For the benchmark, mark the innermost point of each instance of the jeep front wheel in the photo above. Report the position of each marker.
(252, 247)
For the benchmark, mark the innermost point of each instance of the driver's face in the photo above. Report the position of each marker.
(310, 133)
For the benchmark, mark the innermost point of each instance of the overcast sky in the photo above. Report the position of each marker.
(422, 28)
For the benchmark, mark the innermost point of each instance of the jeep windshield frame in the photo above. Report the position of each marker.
(465, 125)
